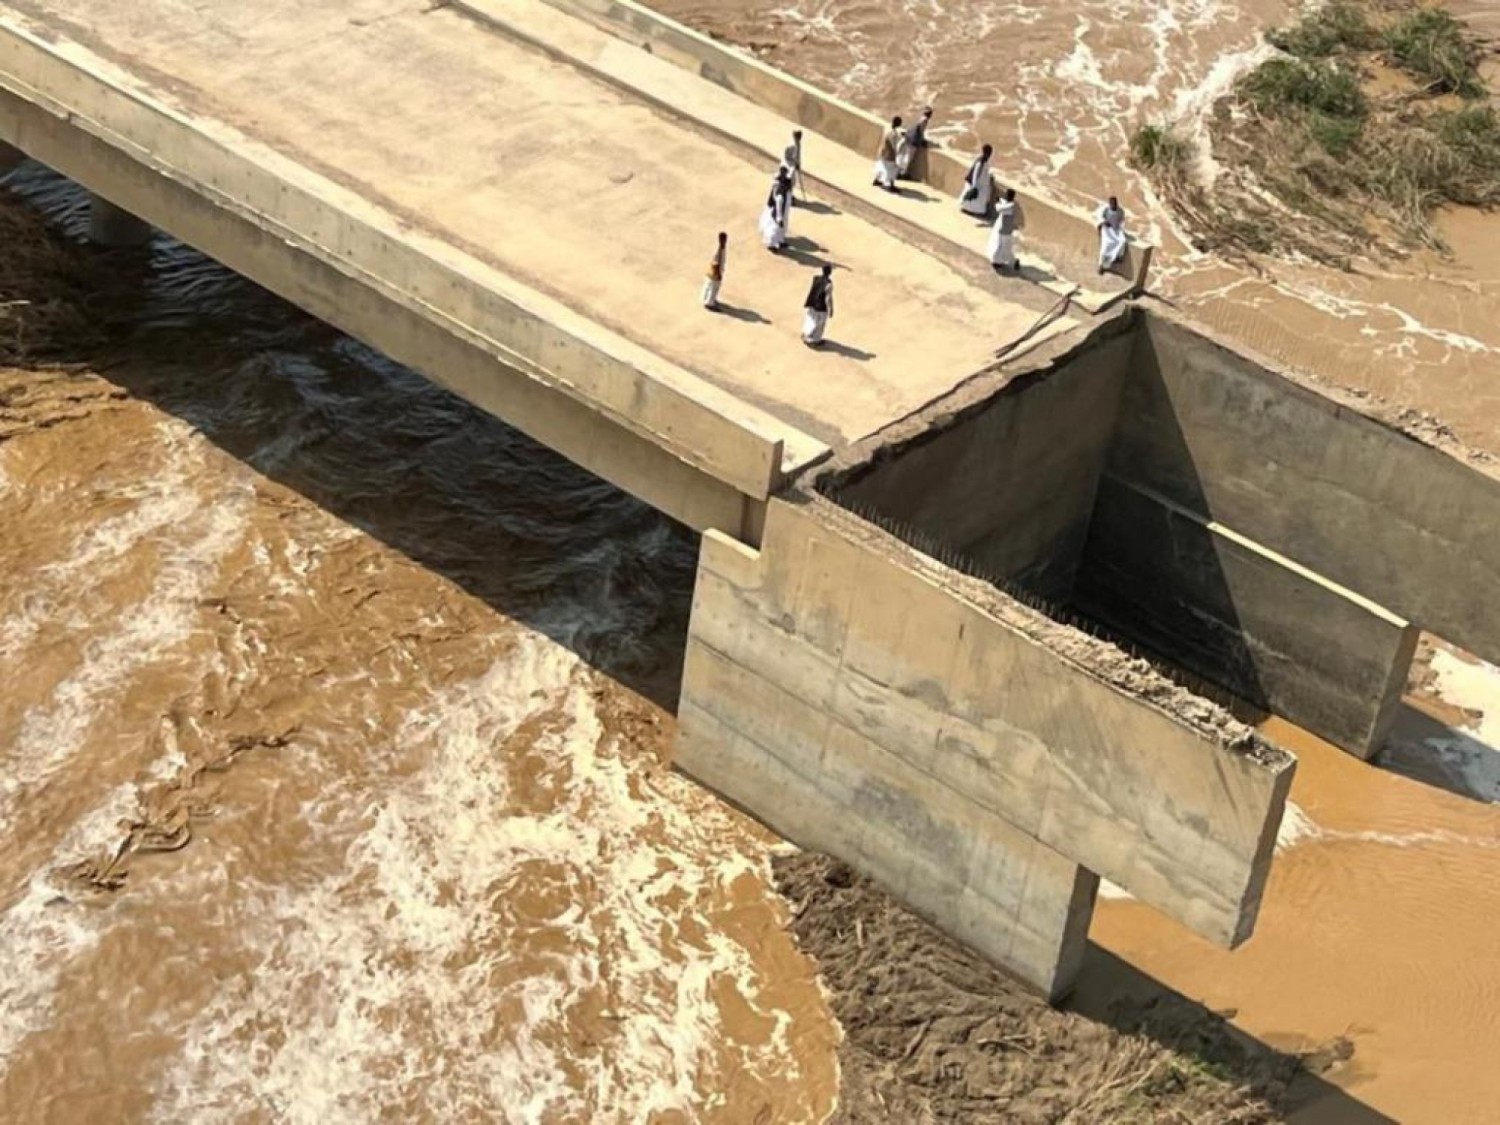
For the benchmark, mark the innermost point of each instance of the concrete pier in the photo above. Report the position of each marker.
(114, 226)
(981, 760)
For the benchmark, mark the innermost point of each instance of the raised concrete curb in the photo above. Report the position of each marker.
(60, 86)
(1056, 238)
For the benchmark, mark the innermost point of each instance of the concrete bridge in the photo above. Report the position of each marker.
(518, 198)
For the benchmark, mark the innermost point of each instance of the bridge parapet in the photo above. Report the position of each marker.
(1065, 235)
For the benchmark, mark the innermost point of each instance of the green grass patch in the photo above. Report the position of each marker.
(1431, 44)
(1336, 136)
(1279, 86)
(1326, 31)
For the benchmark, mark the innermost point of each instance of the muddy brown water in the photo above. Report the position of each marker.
(327, 792)
(322, 791)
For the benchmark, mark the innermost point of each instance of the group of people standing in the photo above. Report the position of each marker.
(894, 160)
(775, 227)
(977, 198)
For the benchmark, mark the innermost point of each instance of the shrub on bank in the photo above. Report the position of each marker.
(1326, 31)
(1430, 44)
(1159, 148)
(1312, 160)
(1281, 86)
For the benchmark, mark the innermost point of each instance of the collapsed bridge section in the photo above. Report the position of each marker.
(928, 668)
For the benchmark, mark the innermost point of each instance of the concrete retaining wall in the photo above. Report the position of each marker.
(145, 157)
(1067, 235)
(1233, 612)
(1010, 483)
(866, 701)
(1405, 525)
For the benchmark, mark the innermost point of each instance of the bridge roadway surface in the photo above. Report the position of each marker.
(514, 155)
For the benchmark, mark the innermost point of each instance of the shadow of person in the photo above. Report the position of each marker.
(916, 195)
(847, 350)
(805, 257)
(803, 243)
(817, 207)
(734, 312)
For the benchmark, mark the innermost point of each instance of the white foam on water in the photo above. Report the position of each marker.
(1472, 753)
(1296, 827)
(63, 587)
(54, 729)
(1408, 329)
(43, 932)
(1193, 104)
(400, 964)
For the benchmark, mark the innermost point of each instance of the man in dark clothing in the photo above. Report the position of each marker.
(817, 308)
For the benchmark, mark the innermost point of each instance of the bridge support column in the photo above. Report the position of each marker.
(115, 227)
(10, 156)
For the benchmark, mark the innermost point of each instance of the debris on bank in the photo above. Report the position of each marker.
(934, 1033)
(1366, 121)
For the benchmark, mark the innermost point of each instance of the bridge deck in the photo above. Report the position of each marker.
(570, 185)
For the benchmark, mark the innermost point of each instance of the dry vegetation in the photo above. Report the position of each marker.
(936, 1035)
(1367, 121)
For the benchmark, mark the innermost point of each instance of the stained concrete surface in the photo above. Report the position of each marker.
(1007, 481)
(1373, 509)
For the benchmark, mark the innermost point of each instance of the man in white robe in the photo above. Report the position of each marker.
(1003, 233)
(817, 308)
(914, 139)
(1110, 219)
(885, 156)
(715, 277)
(791, 163)
(776, 219)
(979, 185)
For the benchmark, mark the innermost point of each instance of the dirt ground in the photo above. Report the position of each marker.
(935, 1034)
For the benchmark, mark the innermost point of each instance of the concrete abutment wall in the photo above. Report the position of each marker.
(1233, 612)
(1230, 533)
(988, 762)
(1009, 481)
(1350, 497)
(980, 760)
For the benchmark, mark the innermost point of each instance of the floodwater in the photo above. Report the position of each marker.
(1381, 923)
(322, 794)
(325, 786)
